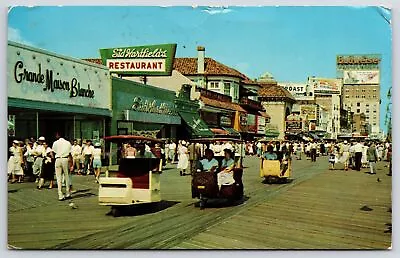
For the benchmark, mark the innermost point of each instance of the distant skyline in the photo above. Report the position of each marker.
(291, 43)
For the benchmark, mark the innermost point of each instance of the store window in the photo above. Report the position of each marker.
(227, 88)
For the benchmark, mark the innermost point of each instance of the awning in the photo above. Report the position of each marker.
(198, 128)
(231, 131)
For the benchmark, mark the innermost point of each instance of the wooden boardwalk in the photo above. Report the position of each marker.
(319, 209)
(325, 212)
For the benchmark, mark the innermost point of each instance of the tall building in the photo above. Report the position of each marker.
(327, 95)
(361, 87)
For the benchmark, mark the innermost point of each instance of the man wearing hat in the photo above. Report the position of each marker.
(87, 153)
(62, 150)
(38, 153)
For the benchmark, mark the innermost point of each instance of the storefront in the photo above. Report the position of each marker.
(50, 94)
(220, 113)
(140, 109)
(192, 125)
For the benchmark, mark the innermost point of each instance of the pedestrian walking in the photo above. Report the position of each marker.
(364, 158)
(358, 148)
(172, 151)
(372, 157)
(62, 149)
(313, 151)
(48, 168)
(97, 160)
(38, 152)
(15, 162)
(29, 160)
(183, 159)
(332, 156)
(87, 153)
(344, 151)
(76, 152)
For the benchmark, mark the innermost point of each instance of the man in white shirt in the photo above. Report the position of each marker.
(62, 149)
(358, 148)
(76, 152)
(87, 153)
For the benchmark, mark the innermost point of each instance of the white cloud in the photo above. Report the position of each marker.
(213, 11)
(15, 35)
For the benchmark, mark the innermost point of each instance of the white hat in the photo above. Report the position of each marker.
(345, 141)
(41, 138)
(97, 144)
(16, 142)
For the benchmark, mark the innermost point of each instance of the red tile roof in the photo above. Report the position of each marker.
(188, 66)
(223, 105)
(275, 92)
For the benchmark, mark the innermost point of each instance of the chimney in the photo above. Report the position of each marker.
(201, 51)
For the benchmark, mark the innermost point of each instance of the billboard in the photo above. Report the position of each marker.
(296, 89)
(260, 125)
(251, 123)
(358, 62)
(294, 125)
(140, 60)
(361, 77)
(308, 112)
(326, 85)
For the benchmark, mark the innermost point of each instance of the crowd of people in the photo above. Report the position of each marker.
(38, 161)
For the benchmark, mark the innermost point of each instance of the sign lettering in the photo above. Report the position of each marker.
(49, 82)
(150, 106)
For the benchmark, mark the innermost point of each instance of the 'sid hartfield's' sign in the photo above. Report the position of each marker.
(140, 60)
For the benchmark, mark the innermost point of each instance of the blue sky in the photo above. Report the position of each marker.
(292, 43)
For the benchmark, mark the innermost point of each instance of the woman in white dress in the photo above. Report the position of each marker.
(183, 159)
(364, 160)
(15, 162)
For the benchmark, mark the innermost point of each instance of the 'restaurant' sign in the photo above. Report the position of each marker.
(140, 60)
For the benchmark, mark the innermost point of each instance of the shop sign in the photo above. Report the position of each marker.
(294, 125)
(251, 123)
(50, 82)
(326, 85)
(308, 112)
(37, 75)
(151, 106)
(358, 62)
(243, 119)
(226, 121)
(296, 89)
(260, 125)
(361, 77)
(140, 60)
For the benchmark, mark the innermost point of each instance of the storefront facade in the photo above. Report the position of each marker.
(140, 109)
(50, 94)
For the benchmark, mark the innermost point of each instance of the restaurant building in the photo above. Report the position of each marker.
(49, 94)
